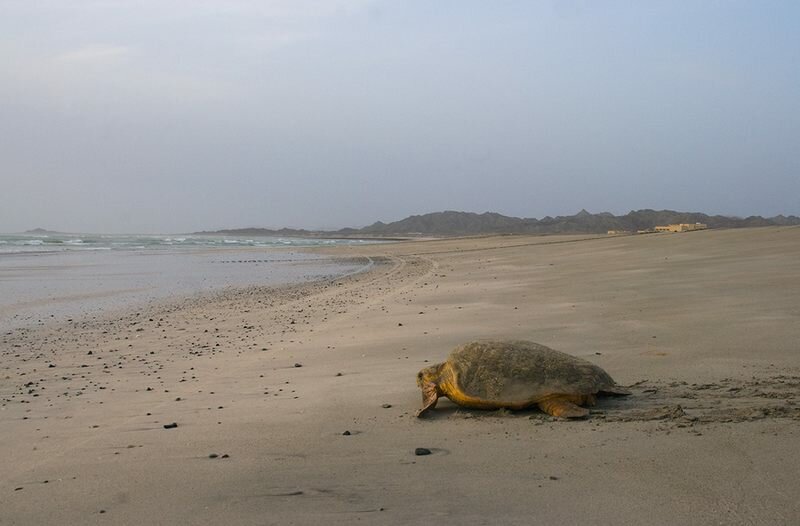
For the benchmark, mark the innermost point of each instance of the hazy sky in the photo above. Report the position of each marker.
(173, 116)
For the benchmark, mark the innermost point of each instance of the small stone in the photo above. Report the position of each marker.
(298, 365)
(338, 374)
(225, 456)
(170, 426)
(347, 433)
(52, 365)
(553, 477)
(386, 406)
(213, 455)
(420, 451)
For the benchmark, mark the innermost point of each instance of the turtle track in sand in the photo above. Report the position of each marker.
(724, 401)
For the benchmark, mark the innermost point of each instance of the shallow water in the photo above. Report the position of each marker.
(41, 287)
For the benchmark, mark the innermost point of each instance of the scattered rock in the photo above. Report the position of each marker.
(386, 406)
(420, 451)
(225, 456)
(298, 365)
(170, 426)
(213, 455)
(347, 433)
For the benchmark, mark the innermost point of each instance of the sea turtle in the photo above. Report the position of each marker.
(515, 375)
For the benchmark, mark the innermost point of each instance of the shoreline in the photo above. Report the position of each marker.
(701, 327)
(38, 288)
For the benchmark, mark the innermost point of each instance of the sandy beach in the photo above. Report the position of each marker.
(295, 405)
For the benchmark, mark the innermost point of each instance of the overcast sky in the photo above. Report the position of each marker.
(180, 115)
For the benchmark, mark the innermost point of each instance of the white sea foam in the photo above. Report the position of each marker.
(33, 243)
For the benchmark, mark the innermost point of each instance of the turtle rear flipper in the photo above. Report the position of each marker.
(615, 390)
(562, 408)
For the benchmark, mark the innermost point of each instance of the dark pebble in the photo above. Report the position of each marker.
(298, 365)
(553, 477)
(213, 455)
(170, 426)
(338, 374)
(386, 406)
(225, 456)
(346, 433)
(420, 451)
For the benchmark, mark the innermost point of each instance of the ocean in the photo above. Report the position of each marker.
(51, 242)
(51, 278)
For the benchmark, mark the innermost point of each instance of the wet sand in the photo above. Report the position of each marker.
(38, 288)
(296, 405)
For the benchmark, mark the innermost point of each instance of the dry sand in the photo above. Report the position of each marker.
(704, 326)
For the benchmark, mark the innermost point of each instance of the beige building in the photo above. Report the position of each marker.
(682, 227)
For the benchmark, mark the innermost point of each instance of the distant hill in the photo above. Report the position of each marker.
(43, 232)
(452, 223)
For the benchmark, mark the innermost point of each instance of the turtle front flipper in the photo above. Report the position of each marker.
(430, 395)
(562, 407)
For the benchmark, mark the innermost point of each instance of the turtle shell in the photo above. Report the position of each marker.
(514, 371)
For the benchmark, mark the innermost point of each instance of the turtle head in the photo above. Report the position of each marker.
(428, 381)
(429, 375)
